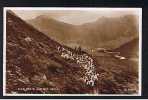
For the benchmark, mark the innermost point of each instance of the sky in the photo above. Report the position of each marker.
(75, 16)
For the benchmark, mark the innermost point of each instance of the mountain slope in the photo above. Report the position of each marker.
(57, 30)
(37, 62)
(129, 49)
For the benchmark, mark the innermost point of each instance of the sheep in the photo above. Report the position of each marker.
(85, 62)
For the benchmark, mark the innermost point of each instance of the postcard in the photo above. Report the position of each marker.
(61, 51)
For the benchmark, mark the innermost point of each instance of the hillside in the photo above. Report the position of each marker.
(37, 62)
(129, 49)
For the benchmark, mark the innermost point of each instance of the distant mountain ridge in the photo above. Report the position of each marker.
(58, 30)
(107, 32)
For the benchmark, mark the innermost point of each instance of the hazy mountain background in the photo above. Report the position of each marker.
(105, 32)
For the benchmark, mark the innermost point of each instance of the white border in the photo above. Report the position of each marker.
(74, 8)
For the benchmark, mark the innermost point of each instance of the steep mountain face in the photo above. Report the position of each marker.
(35, 63)
(59, 31)
(129, 49)
(107, 32)
(110, 33)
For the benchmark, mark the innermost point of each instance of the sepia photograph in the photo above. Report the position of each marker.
(61, 51)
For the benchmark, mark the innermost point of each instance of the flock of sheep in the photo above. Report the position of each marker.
(85, 61)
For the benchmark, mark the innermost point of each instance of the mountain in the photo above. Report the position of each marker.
(59, 31)
(129, 49)
(108, 32)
